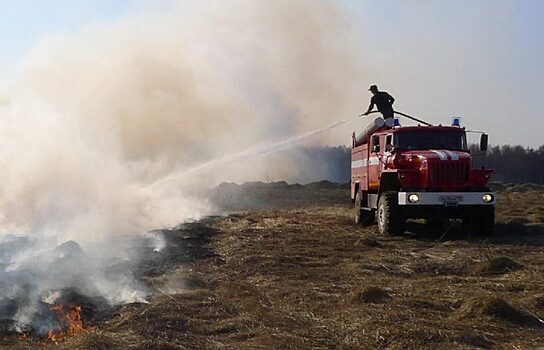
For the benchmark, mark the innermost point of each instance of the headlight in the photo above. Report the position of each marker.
(413, 198)
(488, 198)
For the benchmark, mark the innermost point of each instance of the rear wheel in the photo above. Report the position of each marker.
(479, 221)
(390, 221)
(362, 216)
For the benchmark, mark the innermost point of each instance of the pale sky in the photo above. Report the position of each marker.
(23, 23)
(478, 59)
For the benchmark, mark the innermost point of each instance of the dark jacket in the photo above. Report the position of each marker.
(384, 102)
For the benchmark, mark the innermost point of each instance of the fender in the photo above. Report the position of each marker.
(354, 188)
(389, 181)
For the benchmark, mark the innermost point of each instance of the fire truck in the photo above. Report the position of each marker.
(419, 172)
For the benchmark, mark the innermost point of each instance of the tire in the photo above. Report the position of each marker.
(479, 221)
(362, 216)
(389, 217)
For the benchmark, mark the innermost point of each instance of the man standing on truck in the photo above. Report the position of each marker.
(384, 102)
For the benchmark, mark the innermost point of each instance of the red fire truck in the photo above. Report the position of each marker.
(419, 172)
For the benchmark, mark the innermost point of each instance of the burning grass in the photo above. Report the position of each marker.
(69, 320)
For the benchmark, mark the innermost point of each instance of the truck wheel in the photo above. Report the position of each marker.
(389, 216)
(362, 216)
(479, 221)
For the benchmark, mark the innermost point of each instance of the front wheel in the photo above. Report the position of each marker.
(362, 216)
(390, 221)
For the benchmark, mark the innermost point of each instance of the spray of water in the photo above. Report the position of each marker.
(259, 150)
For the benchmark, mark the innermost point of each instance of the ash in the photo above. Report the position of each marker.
(36, 274)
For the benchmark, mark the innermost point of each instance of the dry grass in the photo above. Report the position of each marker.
(498, 265)
(500, 309)
(305, 277)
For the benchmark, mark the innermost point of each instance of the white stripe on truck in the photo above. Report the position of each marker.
(453, 155)
(365, 162)
(358, 163)
(441, 154)
(373, 161)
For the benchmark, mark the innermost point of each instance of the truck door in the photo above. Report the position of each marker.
(375, 165)
(387, 149)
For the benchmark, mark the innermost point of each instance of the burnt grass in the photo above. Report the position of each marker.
(289, 270)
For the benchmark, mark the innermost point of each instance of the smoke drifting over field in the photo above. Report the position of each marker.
(98, 117)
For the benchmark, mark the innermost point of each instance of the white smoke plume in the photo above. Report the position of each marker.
(97, 117)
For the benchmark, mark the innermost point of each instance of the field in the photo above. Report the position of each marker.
(287, 269)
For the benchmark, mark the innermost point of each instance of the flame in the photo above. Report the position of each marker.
(69, 320)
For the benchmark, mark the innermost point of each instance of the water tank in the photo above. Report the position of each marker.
(375, 125)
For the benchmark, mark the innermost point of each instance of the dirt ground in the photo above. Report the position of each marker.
(289, 270)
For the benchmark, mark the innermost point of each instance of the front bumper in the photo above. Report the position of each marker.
(451, 199)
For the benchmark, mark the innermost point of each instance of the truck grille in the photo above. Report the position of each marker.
(448, 173)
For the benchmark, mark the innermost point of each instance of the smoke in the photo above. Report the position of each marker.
(99, 116)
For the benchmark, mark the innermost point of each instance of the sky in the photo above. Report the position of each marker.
(24, 23)
(481, 60)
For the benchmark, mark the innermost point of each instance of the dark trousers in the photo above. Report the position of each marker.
(387, 114)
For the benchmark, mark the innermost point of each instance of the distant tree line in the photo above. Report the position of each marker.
(514, 164)
(322, 163)
(511, 164)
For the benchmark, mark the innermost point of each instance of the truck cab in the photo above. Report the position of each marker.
(419, 172)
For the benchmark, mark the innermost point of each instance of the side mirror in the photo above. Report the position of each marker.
(483, 142)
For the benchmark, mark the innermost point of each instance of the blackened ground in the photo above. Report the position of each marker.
(185, 244)
(303, 276)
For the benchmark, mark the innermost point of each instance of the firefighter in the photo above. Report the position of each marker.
(384, 102)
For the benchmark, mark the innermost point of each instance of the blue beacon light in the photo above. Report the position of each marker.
(456, 121)
(396, 122)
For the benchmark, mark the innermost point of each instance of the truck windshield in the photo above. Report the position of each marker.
(426, 139)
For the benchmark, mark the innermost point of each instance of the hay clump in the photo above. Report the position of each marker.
(479, 341)
(498, 308)
(495, 266)
(369, 241)
(373, 295)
